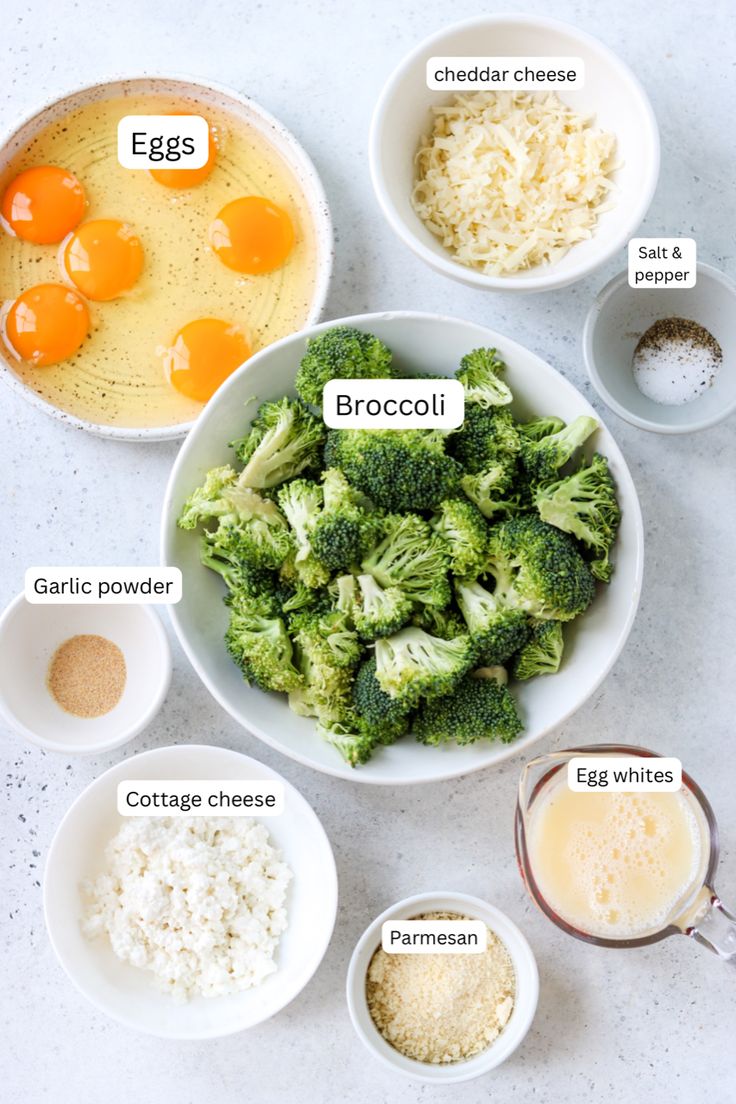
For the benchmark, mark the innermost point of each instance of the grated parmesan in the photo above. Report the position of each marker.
(509, 180)
(441, 1008)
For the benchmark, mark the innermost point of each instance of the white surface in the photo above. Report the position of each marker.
(128, 994)
(525, 997)
(618, 318)
(419, 342)
(623, 1027)
(610, 92)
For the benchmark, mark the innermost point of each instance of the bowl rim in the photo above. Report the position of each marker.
(111, 742)
(515, 942)
(446, 266)
(595, 311)
(319, 208)
(330, 904)
(507, 751)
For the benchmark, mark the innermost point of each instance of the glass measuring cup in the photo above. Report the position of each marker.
(699, 914)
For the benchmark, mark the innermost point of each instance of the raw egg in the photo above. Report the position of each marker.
(252, 235)
(46, 324)
(188, 178)
(103, 258)
(203, 354)
(43, 204)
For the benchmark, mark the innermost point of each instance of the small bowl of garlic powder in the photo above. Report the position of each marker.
(429, 1007)
(81, 679)
(662, 358)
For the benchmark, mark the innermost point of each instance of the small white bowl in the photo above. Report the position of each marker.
(618, 318)
(525, 1003)
(207, 94)
(611, 92)
(129, 995)
(29, 636)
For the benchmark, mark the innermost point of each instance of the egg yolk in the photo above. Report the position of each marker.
(187, 178)
(46, 324)
(103, 258)
(252, 235)
(202, 355)
(43, 204)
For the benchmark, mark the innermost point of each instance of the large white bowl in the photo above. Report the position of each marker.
(436, 344)
(611, 92)
(128, 994)
(209, 94)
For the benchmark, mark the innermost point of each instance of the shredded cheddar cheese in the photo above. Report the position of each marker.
(509, 180)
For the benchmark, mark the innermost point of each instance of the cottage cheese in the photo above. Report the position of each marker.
(198, 901)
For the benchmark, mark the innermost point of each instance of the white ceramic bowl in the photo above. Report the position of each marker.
(434, 344)
(29, 636)
(21, 134)
(129, 995)
(618, 318)
(611, 92)
(525, 1005)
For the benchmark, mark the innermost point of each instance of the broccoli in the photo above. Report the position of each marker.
(343, 532)
(346, 736)
(479, 373)
(444, 623)
(380, 715)
(241, 576)
(326, 687)
(412, 664)
(544, 457)
(284, 439)
(491, 490)
(399, 470)
(326, 635)
(463, 527)
(495, 630)
(301, 501)
(540, 427)
(260, 645)
(208, 501)
(542, 653)
(340, 353)
(374, 611)
(477, 709)
(585, 505)
(412, 558)
(538, 569)
(486, 437)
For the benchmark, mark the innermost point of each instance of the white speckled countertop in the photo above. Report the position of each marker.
(654, 1024)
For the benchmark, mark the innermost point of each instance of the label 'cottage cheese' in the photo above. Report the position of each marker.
(198, 901)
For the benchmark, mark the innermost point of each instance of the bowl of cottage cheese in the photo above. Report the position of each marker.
(183, 924)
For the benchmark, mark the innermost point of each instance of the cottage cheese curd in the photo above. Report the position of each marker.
(198, 901)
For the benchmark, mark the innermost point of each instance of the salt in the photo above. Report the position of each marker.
(675, 361)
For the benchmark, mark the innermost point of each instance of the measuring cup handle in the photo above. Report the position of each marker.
(716, 930)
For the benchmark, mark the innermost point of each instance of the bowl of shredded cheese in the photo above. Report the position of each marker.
(514, 189)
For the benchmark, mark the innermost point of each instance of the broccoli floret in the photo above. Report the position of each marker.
(538, 569)
(344, 531)
(327, 636)
(326, 687)
(485, 438)
(412, 664)
(354, 744)
(543, 458)
(585, 505)
(399, 470)
(479, 374)
(496, 631)
(445, 623)
(492, 490)
(461, 524)
(340, 353)
(301, 501)
(412, 558)
(542, 653)
(241, 576)
(384, 718)
(373, 610)
(260, 645)
(477, 709)
(540, 427)
(284, 439)
(208, 501)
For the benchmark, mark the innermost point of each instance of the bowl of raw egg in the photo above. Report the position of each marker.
(127, 296)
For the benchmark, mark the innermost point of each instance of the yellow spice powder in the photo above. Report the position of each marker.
(441, 1008)
(86, 675)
